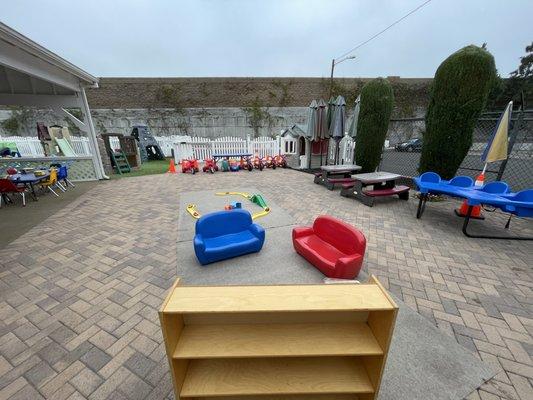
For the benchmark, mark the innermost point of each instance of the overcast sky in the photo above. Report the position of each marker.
(165, 38)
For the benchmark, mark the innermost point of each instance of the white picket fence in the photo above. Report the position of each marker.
(202, 148)
(31, 146)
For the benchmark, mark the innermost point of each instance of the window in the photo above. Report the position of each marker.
(289, 146)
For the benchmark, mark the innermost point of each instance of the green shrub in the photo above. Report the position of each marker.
(377, 100)
(458, 95)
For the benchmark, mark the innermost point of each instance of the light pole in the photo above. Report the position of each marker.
(333, 63)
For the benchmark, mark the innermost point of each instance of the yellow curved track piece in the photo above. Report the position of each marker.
(191, 209)
(248, 196)
(243, 194)
(260, 214)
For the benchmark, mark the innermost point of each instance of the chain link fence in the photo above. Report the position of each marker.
(517, 171)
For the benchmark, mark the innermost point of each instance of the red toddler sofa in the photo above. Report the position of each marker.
(334, 247)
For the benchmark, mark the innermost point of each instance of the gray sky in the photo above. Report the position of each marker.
(159, 38)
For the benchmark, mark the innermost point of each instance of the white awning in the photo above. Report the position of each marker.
(33, 76)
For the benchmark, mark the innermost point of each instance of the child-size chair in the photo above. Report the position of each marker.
(50, 182)
(7, 186)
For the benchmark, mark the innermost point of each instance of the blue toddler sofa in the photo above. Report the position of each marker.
(226, 234)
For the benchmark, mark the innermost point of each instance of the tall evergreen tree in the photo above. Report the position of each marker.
(458, 95)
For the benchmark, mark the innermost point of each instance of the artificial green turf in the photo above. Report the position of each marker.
(147, 168)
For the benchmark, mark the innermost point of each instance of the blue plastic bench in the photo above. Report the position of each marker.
(496, 194)
(226, 234)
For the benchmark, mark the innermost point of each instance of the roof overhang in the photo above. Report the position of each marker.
(27, 67)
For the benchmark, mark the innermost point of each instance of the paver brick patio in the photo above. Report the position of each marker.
(79, 293)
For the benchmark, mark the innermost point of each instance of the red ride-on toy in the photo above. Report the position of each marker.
(210, 165)
(280, 161)
(258, 163)
(190, 166)
(269, 162)
(245, 163)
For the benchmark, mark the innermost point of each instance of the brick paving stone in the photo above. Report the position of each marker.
(139, 364)
(39, 374)
(86, 381)
(95, 359)
(85, 311)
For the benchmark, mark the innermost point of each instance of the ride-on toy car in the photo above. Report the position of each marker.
(258, 163)
(268, 161)
(280, 161)
(189, 166)
(210, 165)
(246, 163)
(234, 165)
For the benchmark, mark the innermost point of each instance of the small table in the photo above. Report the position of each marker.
(332, 174)
(28, 180)
(383, 185)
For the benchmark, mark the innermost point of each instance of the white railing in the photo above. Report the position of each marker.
(27, 147)
(202, 148)
(80, 145)
(31, 146)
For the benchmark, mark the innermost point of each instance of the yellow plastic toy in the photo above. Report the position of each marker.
(254, 198)
(191, 209)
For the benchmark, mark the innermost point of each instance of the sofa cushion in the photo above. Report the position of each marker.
(223, 222)
(339, 234)
(321, 248)
(229, 242)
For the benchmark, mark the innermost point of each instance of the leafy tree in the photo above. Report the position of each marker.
(458, 95)
(520, 82)
(377, 100)
(522, 78)
(525, 69)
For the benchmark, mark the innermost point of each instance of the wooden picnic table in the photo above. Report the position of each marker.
(28, 180)
(383, 185)
(333, 174)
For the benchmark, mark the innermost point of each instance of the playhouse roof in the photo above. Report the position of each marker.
(295, 130)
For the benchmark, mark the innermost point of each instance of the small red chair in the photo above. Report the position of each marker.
(332, 246)
(7, 186)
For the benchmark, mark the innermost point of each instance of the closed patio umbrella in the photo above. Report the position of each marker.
(322, 124)
(312, 126)
(329, 114)
(322, 120)
(338, 121)
(352, 131)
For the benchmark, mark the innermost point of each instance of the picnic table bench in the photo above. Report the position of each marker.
(383, 185)
(330, 175)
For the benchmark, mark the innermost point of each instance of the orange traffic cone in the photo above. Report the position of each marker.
(171, 167)
(476, 210)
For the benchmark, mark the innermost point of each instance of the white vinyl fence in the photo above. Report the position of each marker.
(202, 148)
(31, 146)
(345, 150)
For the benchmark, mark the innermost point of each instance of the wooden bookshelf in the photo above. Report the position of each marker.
(283, 342)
